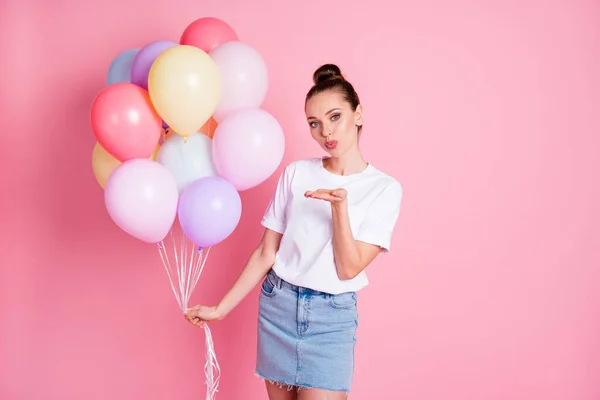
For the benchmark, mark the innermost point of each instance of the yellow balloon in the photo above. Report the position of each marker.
(185, 88)
(208, 129)
(103, 163)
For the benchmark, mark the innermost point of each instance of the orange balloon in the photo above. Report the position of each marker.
(103, 163)
(163, 135)
(169, 132)
(208, 129)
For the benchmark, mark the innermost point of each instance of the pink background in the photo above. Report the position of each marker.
(488, 115)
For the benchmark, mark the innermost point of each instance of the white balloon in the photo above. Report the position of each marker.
(244, 77)
(187, 160)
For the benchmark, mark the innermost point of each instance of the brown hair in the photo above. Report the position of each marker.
(329, 77)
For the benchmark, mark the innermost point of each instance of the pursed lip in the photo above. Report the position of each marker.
(331, 144)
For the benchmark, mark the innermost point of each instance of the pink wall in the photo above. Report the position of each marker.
(487, 114)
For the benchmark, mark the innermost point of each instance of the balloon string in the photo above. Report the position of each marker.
(176, 264)
(199, 270)
(165, 260)
(197, 262)
(187, 280)
(212, 370)
(182, 264)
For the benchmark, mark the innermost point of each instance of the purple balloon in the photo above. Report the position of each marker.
(140, 68)
(209, 210)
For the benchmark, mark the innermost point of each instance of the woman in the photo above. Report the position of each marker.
(328, 219)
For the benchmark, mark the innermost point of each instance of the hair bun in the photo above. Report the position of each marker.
(326, 72)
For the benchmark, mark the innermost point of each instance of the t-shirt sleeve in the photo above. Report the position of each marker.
(378, 225)
(274, 217)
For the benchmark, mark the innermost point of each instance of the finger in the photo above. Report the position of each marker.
(327, 197)
(190, 310)
(319, 196)
(195, 311)
(317, 192)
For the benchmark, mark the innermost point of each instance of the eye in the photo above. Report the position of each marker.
(313, 124)
(335, 117)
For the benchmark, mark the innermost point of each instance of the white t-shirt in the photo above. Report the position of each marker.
(305, 257)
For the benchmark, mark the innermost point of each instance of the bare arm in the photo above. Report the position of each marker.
(351, 256)
(258, 265)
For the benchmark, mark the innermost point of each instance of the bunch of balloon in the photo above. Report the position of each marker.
(180, 132)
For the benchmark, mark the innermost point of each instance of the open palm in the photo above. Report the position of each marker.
(330, 195)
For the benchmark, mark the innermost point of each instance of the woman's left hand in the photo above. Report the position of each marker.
(334, 196)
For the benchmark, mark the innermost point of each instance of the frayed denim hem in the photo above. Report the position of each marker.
(295, 386)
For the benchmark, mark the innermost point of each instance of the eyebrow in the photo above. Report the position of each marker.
(327, 113)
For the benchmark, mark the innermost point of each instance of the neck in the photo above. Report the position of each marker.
(349, 163)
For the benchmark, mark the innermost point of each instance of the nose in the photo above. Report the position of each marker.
(326, 131)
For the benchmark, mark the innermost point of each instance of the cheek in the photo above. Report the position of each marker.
(346, 126)
(314, 132)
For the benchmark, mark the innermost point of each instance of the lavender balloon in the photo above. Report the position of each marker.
(209, 210)
(140, 68)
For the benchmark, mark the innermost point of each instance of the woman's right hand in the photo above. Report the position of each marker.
(198, 315)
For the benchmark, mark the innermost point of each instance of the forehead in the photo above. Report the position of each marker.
(320, 103)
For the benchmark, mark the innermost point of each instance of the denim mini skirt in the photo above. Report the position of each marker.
(306, 338)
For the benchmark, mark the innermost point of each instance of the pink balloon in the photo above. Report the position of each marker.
(207, 33)
(125, 122)
(244, 78)
(141, 198)
(248, 146)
